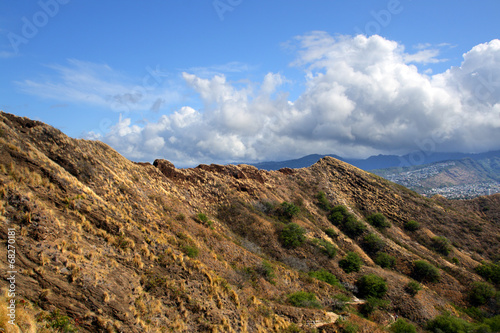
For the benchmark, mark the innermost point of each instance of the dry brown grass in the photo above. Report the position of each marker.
(25, 317)
(111, 221)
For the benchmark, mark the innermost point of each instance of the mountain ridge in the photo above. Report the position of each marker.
(106, 244)
(378, 161)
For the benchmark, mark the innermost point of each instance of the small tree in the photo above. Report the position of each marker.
(351, 263)
(423, 271)
(292, 236)
(371, 285)
(378, 220)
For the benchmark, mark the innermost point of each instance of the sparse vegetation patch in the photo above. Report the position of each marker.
(325, 276)
(304, 300)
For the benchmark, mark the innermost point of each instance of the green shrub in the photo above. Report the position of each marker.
(378, 220)
(292, 328)
(352, 226)
(202, 218)
(475, 313)
(286, 211)
(304, 299)
(292, 236)
(347, 222)
(323, 202)
(326, 276)
(331, 233)
(481, 292)
(423, 271)
(59, 322)
(448, 324)
(326, 247)
(336, 218)
(385, 260)
(372, 243)
(413, 287)
(371, 285)
(341, 209)
(191, 251)
(402, 326)
(441, 245)
(349, 328)
(351, 263)
(412, 225)
(490, 272)
(493, 323)
(337, 215)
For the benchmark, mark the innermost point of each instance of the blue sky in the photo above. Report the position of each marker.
(239, 80)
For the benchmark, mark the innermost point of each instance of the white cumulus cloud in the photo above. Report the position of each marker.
(363, 95)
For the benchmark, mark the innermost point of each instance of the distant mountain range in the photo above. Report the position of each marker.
(452, 175)
(454, 179)
(378, 161)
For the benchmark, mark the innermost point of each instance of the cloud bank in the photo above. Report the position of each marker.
(363, 96)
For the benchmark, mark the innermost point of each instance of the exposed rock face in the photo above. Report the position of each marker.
(134, 247)
(168, 169)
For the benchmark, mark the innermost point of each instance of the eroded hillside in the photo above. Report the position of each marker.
(105, 244)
